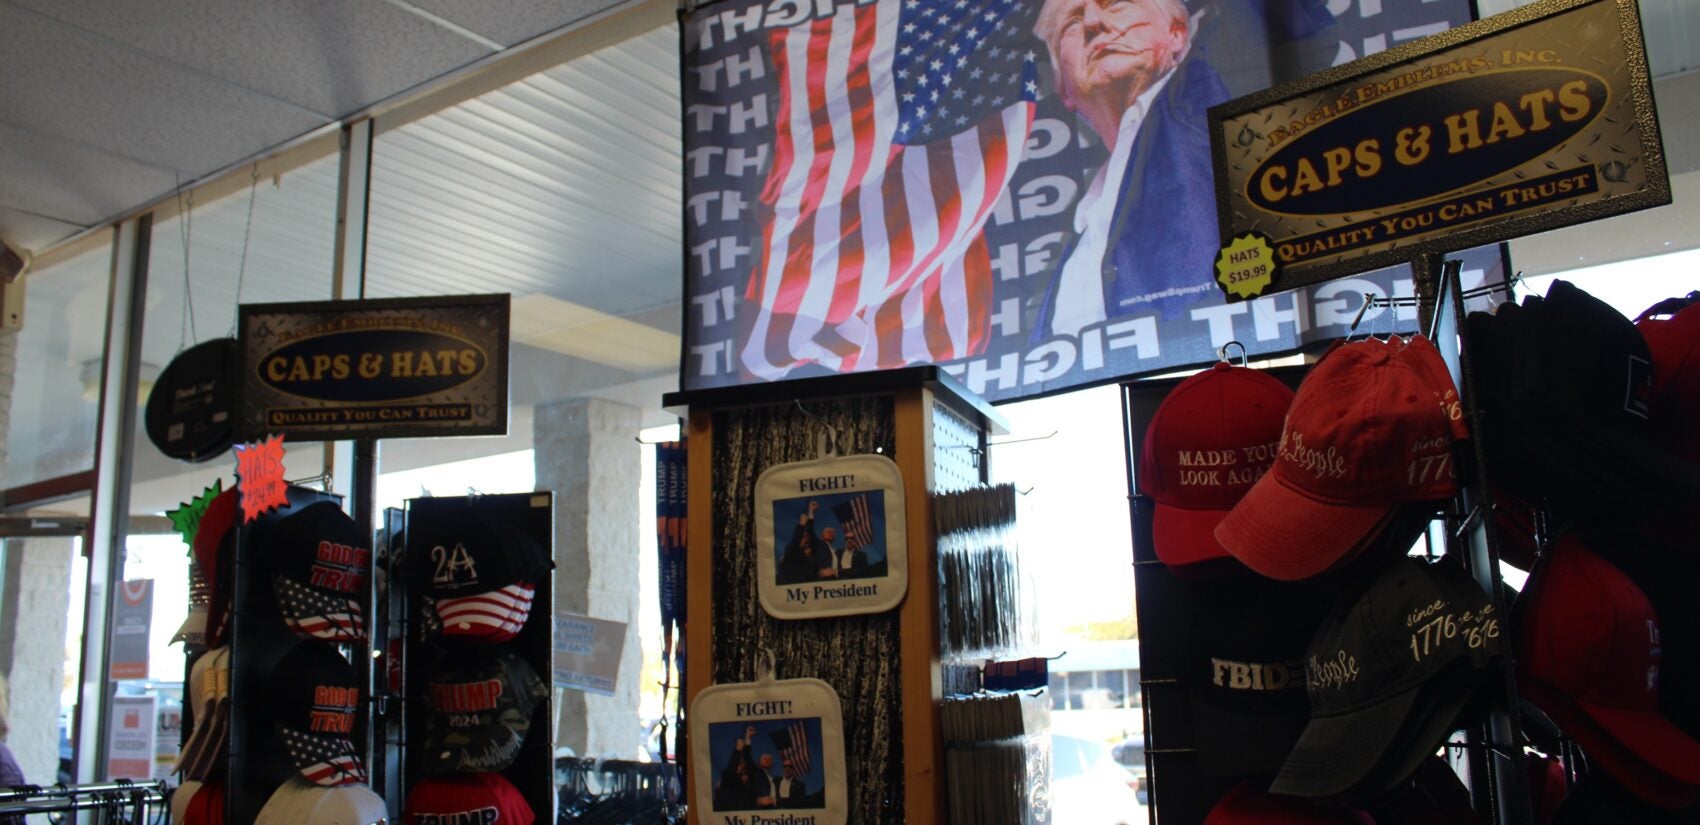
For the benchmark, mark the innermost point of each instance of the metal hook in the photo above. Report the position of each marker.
(1369, 301)
(1222, 353)
(1051, 434)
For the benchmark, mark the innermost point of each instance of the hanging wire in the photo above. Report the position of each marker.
(242, 264)
(185, 230)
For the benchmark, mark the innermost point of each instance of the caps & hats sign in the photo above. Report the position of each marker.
(390, 368)
(1528, 121)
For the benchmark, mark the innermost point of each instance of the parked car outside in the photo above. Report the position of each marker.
(1130, 754)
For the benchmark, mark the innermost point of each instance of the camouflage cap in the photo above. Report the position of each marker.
(481, 704)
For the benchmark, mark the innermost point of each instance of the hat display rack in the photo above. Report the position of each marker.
(258, 639)
(1580, 646)
(884, 666)
(427, 646)
(1182, 789)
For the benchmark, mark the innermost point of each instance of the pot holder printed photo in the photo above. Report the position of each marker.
(831, 538)
(769, 751)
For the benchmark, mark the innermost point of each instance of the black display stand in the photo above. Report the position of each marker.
(258, 638)
(533, 770)
(1178, 788)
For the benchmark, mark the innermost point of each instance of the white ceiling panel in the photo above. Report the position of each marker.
(20, 228)
(565, 184)
(513, 21)
(330, 57)
(65, 83)
(70, 181)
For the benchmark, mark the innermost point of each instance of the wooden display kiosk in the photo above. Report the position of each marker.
(885, 666)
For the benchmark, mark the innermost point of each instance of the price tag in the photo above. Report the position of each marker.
(1246, 266)
(259, 477)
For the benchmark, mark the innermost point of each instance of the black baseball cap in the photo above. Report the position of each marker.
(320, 563)
(1387, 676)
(314, 699)
(481, 574)
(1565, 382)
(1246, 671)
(481, 702)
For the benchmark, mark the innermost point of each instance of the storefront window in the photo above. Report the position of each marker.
(56, 383)
(273, 242)
(560, 191)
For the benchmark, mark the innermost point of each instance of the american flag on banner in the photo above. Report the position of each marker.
(899, 126)
(793, 745)
(857, 522)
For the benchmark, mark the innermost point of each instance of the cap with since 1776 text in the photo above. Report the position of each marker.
(1388, 676)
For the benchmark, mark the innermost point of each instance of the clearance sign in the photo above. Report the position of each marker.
(391, 368)
(1525, 122)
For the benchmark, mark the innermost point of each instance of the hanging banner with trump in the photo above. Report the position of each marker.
(1018, 190)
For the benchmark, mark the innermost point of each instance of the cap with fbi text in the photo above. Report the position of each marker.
(473, 798)
(481, 704)
(1246, 674)
(1387, 676)
(1212, 437)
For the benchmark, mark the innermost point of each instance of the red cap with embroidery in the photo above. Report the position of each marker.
(1372, 427)
(1588, 653)
(467, 797)
(1211, 438)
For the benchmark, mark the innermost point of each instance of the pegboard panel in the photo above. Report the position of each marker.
(959, 451)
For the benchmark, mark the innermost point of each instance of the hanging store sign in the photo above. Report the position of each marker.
(132, 628)
(130, 737)
(391, 368)
(1529, 121)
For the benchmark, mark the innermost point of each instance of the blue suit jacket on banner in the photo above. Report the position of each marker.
(1164, 230)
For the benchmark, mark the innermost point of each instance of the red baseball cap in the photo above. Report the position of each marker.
(467, 797)
(214, 538)
(1372, 427)
(1588, 654)
(1211, 438)
(207, 806)
(1674, 342)
(1245, 805)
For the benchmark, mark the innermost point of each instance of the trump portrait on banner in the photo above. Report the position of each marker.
(1144, 232)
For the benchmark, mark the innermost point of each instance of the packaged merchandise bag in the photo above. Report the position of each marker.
(830, 536)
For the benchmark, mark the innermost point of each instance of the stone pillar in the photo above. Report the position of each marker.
(586, 454)
(33, 617)
(8, 375)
